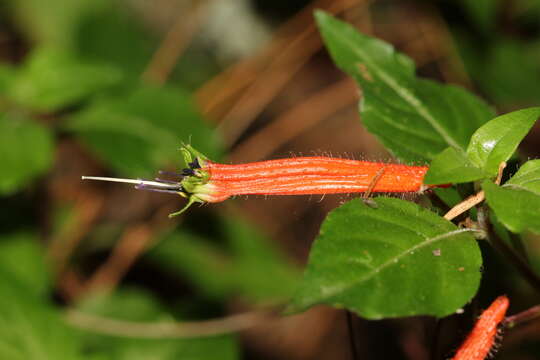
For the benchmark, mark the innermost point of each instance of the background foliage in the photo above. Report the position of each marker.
(83, 92)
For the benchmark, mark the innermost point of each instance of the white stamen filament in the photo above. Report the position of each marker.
(132, 181)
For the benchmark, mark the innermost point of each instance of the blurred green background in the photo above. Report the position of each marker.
(113, 87)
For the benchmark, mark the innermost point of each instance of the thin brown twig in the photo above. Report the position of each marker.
(300, 118)
(70, 285)
(523, 317)
(133, 242)
(472, 200)
(237, 77)
(360, 17)
(87, 208)
(174, 43)
(374, 182)
(437, 35)
(269, 82)
(160, 330)
(352, 335)
(465, 205)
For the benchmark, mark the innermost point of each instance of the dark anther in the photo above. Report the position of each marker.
(195, 164)
(188, 172)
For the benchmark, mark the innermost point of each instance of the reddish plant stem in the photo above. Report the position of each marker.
(530, 314)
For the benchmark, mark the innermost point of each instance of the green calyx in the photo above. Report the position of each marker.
(195, 186)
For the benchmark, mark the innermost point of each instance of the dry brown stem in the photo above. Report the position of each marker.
(160, 330)
(174, 43)
(134, 241)
(297, 120)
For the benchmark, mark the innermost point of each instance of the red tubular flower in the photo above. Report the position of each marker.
(481, 340)
(207, 181)
(311, 175)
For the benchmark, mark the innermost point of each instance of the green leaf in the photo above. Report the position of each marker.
(208, 268)
(414, 118)
(51, 22)
(527, 177)
(396, 259)
(256, 258)
(501, 231)
(26, 150)
(238, 270)
(490, 145)
(452, 167)
(497, 140)
(114, 36)
(516, 203)
(139, 306)
(51, 80)
(95, 30)
(450, 196)
(126, 303)
(482, 12)
(508, 86)
(140, 132)
(7, 74)
(31, 329)
(24, 258)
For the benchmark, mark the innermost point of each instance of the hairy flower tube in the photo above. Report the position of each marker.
(206, 181)
(480, 342)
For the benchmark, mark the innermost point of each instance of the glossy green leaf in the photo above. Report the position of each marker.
(140, 132)
(24, 257)
(26, 150)
(395, 259)
(414, 118)
(452, 167)
(497, 140)
(51, 80)
(517, 202)
(136, 305)
(527, 177)
(31, 328)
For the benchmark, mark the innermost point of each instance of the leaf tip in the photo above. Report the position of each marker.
(320, 16)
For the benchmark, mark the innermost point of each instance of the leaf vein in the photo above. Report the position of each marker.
(402, 92)
(333, 291)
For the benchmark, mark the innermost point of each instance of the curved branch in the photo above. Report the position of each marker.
(160, 330)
